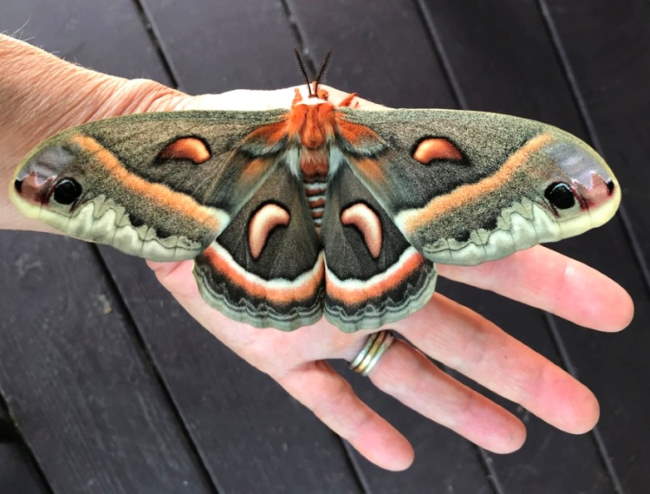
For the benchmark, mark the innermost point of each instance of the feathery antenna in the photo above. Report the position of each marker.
(321, 72)
(303, 70)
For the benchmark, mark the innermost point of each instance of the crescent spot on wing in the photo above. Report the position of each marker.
(261, 225)
(413, 219)
(190, 148)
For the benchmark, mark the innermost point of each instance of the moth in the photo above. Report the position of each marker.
(319, 210)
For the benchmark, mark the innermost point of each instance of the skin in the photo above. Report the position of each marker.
(45, 95)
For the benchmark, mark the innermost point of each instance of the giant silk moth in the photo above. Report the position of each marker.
(319, 210)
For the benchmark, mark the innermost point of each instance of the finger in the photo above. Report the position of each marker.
(467, 342)
(258, 100)
(336, 96)
(241, 99)
(314, 384)
(553, 282)
(317, 386)
(409, 376)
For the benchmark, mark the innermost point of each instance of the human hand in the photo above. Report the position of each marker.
(443, 330)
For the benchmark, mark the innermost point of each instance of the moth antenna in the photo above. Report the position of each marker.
(322, 71)
(301, 64)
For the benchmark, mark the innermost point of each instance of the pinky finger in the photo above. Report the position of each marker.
(332, 399)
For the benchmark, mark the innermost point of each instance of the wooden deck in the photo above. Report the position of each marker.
(108, 386)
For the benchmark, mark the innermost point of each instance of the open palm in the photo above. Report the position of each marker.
(443, 330)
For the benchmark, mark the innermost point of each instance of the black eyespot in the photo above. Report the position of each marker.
(136, 221)
(560, 195)
(490, 224)
(67, 191)
(462, 236)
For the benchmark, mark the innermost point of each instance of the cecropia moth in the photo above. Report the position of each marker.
(321, 209)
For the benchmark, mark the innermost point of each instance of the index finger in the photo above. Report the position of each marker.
(548, 280)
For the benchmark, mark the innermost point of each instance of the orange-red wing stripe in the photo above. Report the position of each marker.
(260, 288)
(160, 194)
(385, 282)
(417, 218)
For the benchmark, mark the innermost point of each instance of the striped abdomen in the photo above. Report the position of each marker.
(316, 192)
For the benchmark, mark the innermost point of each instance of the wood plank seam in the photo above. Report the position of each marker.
(436, 42)
(298, 36)
(156, 41)
(595, 433)
(593, 136)
(591, 132)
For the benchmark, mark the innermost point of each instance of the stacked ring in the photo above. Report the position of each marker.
(376, 344)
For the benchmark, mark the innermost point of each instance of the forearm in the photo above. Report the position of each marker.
(41, 94)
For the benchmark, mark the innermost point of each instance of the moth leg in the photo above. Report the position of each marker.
(323, 94)
(297, 97)
(349, 102)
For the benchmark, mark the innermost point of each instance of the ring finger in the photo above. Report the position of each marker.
(469, 343)
(409, 376)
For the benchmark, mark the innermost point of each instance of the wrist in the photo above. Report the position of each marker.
(41, 95)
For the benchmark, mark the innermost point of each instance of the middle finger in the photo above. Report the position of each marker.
(467, 342)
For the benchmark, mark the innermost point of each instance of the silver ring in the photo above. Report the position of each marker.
(376, 344)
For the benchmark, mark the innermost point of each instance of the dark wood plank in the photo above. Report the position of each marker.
(613, 87)
(110, 39)
(18, 472)
(606, 50)
(6, 424)
(382, 51)
(523, 78)
(8, 431)
(80, 388)
(219, 46)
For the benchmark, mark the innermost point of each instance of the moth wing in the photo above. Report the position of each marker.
(157, 185)
(266, 269)
(466, 187)
(373, 275)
